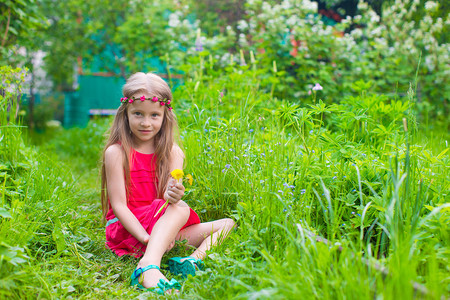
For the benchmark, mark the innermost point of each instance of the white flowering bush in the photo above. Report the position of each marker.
(397, 43)
(385, 51)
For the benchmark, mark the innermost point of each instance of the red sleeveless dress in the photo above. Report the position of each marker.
(143, 204)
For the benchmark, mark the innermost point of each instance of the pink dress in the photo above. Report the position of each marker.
(143, 204)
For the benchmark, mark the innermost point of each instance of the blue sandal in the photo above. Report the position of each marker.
(188, 266)
(161, 288)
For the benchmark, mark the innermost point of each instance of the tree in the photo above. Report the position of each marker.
(19, 19)
(114, 36)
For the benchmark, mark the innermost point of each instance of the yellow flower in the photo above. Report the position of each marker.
(177, 174)
(189, 179)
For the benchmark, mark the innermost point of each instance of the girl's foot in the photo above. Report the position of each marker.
(150, 277)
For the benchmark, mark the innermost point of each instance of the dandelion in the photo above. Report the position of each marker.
(317, 87)
(190, 179)
(177, 174)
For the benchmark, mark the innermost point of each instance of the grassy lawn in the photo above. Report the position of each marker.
(362, 173)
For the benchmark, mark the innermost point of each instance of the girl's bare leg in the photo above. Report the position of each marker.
(205, 235)
(163, 233)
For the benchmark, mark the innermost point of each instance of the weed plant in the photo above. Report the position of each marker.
(360, 173)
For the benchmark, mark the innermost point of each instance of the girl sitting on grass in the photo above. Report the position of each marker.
(136, 183)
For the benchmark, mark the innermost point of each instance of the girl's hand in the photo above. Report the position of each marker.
(174, 192)
(146, 239)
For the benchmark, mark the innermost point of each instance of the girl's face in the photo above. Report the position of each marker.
(145, 119)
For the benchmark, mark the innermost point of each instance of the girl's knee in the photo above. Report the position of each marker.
(182, 210)
(229, 223)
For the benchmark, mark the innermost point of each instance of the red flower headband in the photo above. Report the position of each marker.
(165, 102)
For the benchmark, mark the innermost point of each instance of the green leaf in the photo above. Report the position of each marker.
(442, 153)
(4, 213)
(58, 237)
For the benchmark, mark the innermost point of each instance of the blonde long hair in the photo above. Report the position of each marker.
(120, 133)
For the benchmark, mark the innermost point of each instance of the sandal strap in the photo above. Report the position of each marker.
(139, 271)
(198, 263)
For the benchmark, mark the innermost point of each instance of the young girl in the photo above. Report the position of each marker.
(137, 161)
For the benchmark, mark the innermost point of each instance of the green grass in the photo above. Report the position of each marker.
(346, 171)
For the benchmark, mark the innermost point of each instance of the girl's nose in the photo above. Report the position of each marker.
(145, 123)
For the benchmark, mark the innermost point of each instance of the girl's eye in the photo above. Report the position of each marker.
(154, 115)
(137, 113)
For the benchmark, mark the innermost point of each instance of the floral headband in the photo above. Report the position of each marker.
(165, 102)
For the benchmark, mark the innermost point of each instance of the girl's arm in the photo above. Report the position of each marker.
(175, 190)
(117, 193)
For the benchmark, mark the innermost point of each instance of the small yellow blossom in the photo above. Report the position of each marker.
(177, 174)
(189, 179)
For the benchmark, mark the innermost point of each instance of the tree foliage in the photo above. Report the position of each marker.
(19, 21)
